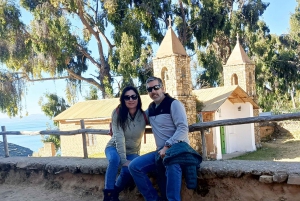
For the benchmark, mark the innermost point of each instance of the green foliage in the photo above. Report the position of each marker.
(55, 139)
(209, 17)
(11, 93)
(295, 24)
(93, 94)
(213, 72)
(199, 105)
(251, 12)
(52, 40)
(53, 105)
(276, 72)
(97, 155)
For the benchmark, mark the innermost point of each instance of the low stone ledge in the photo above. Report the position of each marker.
(55, 165)
(266, 179)
(280, 177)
(208, 169)
(237, 168)
(217, 180)
(294, 179)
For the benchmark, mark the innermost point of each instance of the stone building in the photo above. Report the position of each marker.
(240, 70)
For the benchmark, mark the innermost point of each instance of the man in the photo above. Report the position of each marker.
(168, 119)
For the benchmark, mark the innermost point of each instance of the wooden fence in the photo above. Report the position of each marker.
(201, 126)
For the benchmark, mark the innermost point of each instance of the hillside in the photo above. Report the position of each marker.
(15, 150)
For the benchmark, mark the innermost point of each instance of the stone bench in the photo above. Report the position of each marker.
(217, 180)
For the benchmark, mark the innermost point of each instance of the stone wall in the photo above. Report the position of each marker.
(47, 150)
(245, 74)
(266, 131)
(175, 73)
(217, 180)
(290, 129)
(257, 129)
(189, 103)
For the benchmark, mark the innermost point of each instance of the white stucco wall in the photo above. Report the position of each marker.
(238, 138)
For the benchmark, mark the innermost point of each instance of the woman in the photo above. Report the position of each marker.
(128, 127)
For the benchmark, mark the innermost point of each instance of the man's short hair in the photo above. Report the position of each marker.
(150, 79)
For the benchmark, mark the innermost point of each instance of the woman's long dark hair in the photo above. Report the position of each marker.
(123, 110)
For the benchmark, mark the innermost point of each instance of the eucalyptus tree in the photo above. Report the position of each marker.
(11, 88)
(281, 66)
(277, 66)
(275, 74)
(58, 40)
(52, 105)
(217, 34)
(92, 94)
(53, 44)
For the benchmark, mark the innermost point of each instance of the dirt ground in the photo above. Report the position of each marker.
(286, 148)
(39, 193)
(19, 192)
(24, 185)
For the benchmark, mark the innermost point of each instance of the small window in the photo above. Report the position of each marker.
(234, 80)
(164, 76)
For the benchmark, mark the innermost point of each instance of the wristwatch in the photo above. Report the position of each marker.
(168, 145)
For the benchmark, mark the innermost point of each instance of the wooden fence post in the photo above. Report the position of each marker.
(5, 142)
(85, 154)
(203, 144)
(203, 139)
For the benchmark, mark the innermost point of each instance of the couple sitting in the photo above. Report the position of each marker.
(172, 158)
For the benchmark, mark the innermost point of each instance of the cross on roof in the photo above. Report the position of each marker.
(170, 21)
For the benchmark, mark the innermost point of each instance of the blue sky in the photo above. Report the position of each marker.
(276, 16)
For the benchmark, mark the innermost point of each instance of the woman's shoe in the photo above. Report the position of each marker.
(116, 193)
(108, 194)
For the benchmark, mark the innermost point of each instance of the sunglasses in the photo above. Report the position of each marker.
(155, 87)
(133, 97)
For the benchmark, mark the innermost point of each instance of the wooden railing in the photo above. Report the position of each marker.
(82, 131)
(201, 126)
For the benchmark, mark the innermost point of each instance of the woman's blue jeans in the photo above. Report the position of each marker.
(113, 167)
(171, 184)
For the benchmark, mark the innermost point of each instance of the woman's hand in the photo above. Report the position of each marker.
(127, 163)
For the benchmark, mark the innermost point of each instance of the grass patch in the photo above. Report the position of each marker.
(264, 153)
(97, 155)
